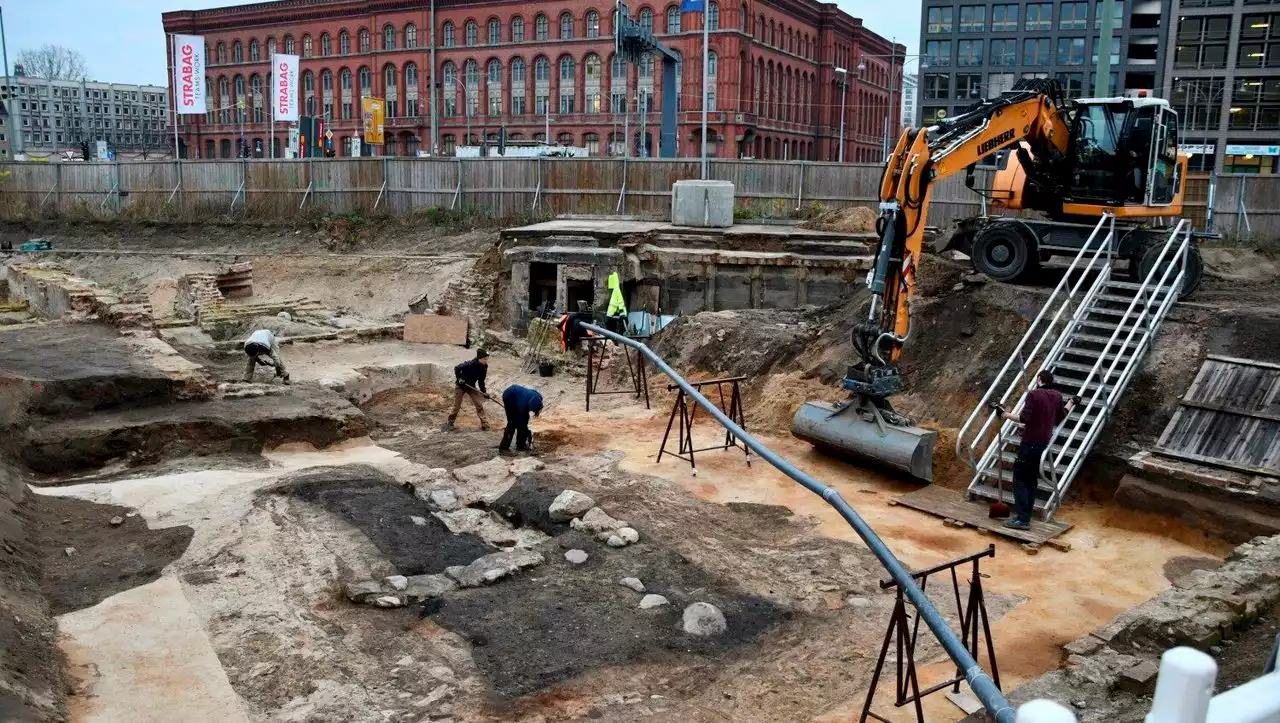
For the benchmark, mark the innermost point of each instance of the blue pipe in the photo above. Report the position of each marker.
(981, 683)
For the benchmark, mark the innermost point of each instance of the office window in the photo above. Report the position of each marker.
(1113, 88)
(968, 86)
(1004, 18)
(1199, 100)
(998, 83)
(1037, 51)
(939, 20)
(517, 30)
(1072, 84)
(473, 34)
(930, 114)
(1004, 51)
(1114, 54)
(1259, 42)
(1255, 105)
(973, 18)
(447, 36)
(1039, 17)
(566, 26)
(593, 24)
(969, 52)
(541, 27)
(938, 52)
(1073, 16)
(1117, 15)
(1070, 51)
(673, 19)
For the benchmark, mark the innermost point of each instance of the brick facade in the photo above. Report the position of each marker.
(776, 92)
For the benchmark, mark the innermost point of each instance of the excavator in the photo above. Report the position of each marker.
(1071, 161)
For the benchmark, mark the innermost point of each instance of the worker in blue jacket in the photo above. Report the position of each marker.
(519, 402)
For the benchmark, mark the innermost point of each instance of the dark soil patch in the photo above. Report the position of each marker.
(31, 683)
(460, 448)
(559, 620)
(382, 509)
(1243, 660)
(771, 513)
(526, 503)
(106, 559)
(1177, 568)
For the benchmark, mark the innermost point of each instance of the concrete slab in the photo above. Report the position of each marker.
(143, 656)
(624, 230)
(435, 329)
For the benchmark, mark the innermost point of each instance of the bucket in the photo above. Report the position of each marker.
(546, 369)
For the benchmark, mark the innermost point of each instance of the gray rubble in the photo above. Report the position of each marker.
(704, 620)
(491, 568)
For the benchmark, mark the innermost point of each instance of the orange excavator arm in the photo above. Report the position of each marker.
(1031, 112)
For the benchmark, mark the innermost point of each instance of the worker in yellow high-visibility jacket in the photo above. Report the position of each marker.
(616, 315)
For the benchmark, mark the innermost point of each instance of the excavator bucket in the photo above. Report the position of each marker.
(862, 434)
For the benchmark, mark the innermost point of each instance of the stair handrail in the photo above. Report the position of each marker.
(1091, 243)
(1182, 229)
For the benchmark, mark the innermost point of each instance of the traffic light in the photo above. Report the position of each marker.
(84, 150)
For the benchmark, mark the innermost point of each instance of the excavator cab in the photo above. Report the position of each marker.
(1124, 153)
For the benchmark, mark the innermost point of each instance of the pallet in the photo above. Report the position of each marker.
(956, 511)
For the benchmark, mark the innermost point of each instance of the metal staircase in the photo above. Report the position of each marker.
(1093, 334)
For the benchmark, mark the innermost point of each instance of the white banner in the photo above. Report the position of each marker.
(284, 87)
(188, 74)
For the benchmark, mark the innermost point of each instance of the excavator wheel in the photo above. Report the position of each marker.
(1004, 253)
(1144, 258)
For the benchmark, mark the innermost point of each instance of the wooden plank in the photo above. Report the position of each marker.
(1228, 409)
(951, 505)
(1241, 362)
(1213, 461)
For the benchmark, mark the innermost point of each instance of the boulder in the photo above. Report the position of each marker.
(443, 499)
(492, 568)
(576, 557)
(361, 592)
(424, 587)
(568, 505)
(704, 620)
(597, 521)
(633, 583)
(652, 601)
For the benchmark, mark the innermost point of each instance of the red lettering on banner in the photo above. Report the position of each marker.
(282, 91)
(187, 74)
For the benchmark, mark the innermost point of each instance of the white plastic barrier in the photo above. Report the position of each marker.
(1184, 694)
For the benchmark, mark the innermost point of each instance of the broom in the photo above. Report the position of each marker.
(999, 509)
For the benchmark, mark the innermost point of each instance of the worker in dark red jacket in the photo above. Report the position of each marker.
(1042, 411)
(519, 403)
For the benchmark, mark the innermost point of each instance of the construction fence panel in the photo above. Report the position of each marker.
(147, 188)
(209, 188)
(836, 185)
(274, 189)
(347, 185)
(584, 186)
(1245, 207)
(417, 184)
(649, 183)
(1195, 199)
(88, 188)
(761, 189)
(499, 187)
(26, 187)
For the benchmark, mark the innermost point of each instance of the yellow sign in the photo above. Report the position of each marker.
(374, 113)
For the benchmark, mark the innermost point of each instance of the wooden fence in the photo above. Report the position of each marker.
(1242, 206)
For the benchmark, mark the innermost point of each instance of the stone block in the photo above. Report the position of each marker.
(702, 204)
(435, 329)
(1140, 679)
(1088, 645)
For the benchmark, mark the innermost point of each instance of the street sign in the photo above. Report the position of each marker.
(328, 135)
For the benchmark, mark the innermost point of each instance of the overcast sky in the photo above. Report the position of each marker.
(123, 42)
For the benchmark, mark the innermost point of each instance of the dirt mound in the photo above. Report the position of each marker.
(750, 342)
(850, 219)
(772, 404)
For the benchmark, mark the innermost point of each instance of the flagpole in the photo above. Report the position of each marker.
(271, 75)
(177, 156)
(705, 28)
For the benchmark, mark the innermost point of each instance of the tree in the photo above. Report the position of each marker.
(53, 62)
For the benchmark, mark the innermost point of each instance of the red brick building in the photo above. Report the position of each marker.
(776, 92)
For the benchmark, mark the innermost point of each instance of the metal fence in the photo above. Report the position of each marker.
(1245, 207)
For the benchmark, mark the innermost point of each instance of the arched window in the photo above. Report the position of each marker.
(591, 64)
(541, 68)
(540, 27)
(389, 37)
(308, 82)
(517, 70)
(240, 87)
(673, 19)
(366, 79)
(450, 73)
(495, 71)
(713, 63)
(646, 19)
(326, 81)
(566, 26)
(713, 16)
(237, 52)
(495, 31)
(618, 67)
(472, 72)
(346, 79)
(309, 92)
(448, 41)
(593, 24)
(567, 68)
(255, 87)
(222, 53)
(473, 33)
(326, 45)
(389, 77)
(410, 36)
(646, 66)
(411, 75)
(288, 45)
(271, 47)
(344, 43)
(255, 53)
(364, 41)
(517, 29)
(591, 141)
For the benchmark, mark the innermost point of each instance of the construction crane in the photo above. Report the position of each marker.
(1072, 161)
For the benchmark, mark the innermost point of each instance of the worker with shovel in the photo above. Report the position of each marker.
(468, 379)
(262, 348)
(1042, 411)
(519, 402)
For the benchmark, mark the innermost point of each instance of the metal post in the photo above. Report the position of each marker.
(173, 97)
(642, 112)
(705, 75)
(626, 117)
(271, 142)
(844, 90)
(435, 116)
(884, 141)
(15, 111)
(546, 128)
(1102, 85)
(979, 681)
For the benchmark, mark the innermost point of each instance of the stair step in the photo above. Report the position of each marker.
(1105, 324)
(1121, 299)
(1011, 457)
(1102, 340)
(1132, 286)
(1091, 355)
(990, 492)
(1084, 369)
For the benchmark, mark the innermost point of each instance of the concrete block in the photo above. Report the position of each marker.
(435, 329)
(703, 204)
(1088, 645)
(1140, 679)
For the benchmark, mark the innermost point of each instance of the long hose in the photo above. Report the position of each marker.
(981, 683)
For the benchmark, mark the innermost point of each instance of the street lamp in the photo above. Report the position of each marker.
(893, 57)
(844, 89)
